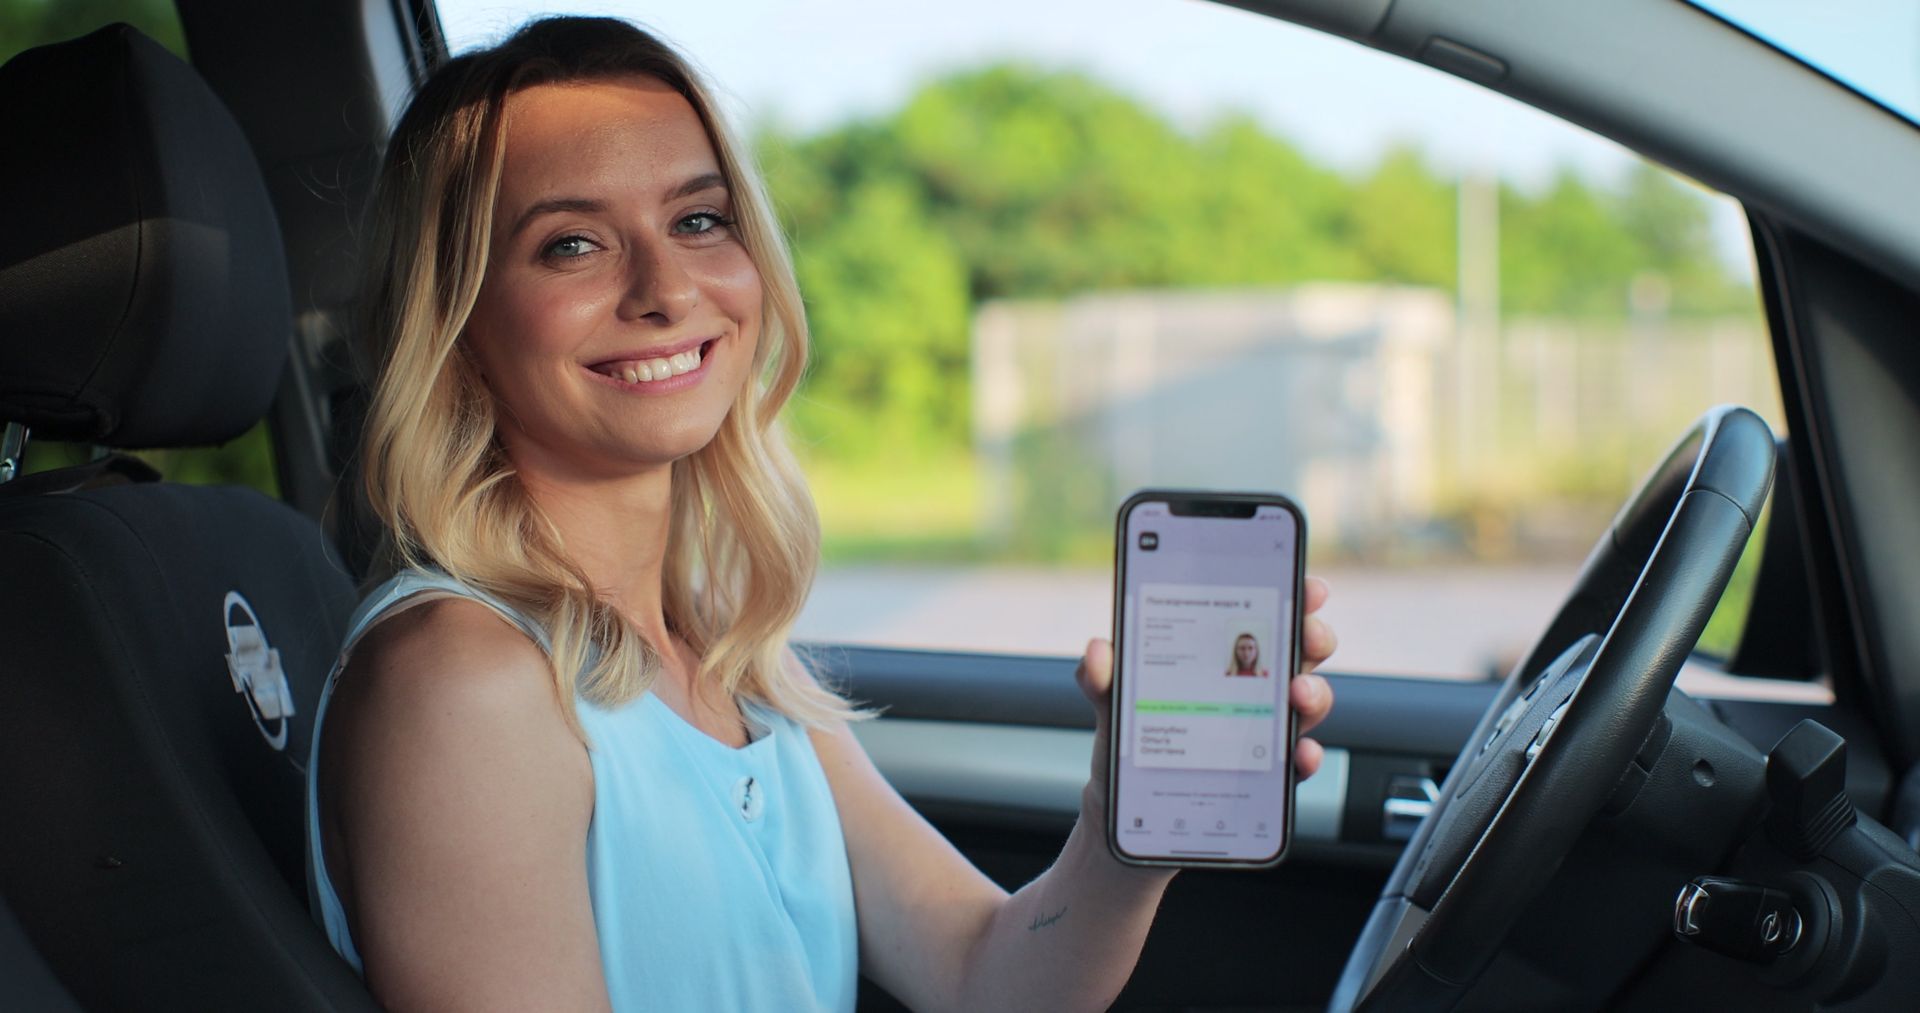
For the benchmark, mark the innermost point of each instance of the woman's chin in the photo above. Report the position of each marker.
(657, 448)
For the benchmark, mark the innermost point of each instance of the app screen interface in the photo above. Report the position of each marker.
(1207, 616)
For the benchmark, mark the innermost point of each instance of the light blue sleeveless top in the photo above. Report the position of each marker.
(718, 876)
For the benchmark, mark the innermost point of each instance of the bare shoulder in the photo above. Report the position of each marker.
(455, 645)
(455, 801)
(448, 682)
(447, 691)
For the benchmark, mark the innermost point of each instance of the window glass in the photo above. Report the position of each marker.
(1871, 46)
(245, 460)
(1042, 272)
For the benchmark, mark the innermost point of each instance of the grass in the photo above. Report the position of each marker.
(923, 508)
(1729, 620)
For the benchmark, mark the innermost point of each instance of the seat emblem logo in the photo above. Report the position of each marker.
(256, 671)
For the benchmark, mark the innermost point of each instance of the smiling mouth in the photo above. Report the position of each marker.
(650, 370)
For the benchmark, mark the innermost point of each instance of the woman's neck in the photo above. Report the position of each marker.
(615, 532)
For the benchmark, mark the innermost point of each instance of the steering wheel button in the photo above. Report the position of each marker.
(1540, 738)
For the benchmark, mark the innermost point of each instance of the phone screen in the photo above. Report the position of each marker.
(1208, 619)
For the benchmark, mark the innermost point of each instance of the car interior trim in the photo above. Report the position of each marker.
(1425, 717)
(1042, 771)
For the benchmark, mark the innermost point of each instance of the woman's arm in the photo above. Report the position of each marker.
(939, 935)
(455, 803)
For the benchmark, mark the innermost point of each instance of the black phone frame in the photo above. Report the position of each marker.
(1201, 503)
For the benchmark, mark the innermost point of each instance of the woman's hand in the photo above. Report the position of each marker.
(1312, 698)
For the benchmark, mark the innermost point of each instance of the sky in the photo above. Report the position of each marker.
(807, 64)
(810, 64)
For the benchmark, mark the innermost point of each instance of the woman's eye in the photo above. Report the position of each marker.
(569, 247)
(701, 222)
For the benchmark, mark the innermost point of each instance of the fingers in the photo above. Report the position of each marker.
(1317, 591)
(1312, 699)
(1306, 759)
(1316, 637)
(1095, 674)
(1312, 694)
(1317, 643)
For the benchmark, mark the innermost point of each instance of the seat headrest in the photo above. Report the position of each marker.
(143, 288)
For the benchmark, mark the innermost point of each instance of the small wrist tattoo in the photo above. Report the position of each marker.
(1042, 922)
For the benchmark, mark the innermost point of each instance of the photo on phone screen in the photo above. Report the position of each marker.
(1207, 625)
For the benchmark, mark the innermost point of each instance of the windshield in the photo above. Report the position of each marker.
(1871, 46)
(1042, 272)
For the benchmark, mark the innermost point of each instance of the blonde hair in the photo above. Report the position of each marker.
(743, 539)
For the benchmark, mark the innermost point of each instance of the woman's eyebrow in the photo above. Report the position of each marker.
(587, 205)
(705, 181)
(555, 204)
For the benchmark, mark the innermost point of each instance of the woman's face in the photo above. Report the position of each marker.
(619, 314)
(1246, 651)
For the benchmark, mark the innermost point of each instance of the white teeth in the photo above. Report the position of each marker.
(648, 370)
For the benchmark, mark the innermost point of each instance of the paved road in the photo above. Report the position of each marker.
(1449, 622)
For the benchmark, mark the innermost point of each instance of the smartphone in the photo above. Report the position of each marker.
(1206, 638)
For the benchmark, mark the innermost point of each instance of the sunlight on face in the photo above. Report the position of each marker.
(620, 311)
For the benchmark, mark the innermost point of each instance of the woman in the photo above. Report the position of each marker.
(568, 759)
(1246, 657)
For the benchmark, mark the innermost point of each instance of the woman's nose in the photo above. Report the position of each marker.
(660, 286)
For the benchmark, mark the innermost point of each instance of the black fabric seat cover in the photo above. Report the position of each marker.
(154, 835)
(151, 799)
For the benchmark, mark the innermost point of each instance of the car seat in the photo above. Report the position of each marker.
(162, 646)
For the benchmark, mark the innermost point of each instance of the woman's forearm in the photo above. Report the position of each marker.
(1069, 939)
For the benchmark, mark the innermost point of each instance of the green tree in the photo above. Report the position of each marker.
(1016, 181)
(1564, 253)
(1048, 181)
(1403, 222)
(28, 23)
(888, 308)
(1261, 214)
(1668, 221)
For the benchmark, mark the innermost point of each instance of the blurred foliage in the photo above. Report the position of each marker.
(1729, 619)
(28, 23)
(1016, 181)
(881, 513)
(245, 460)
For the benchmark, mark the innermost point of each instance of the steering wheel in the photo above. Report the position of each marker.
(1566, 723)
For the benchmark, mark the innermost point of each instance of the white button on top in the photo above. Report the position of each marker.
(749, 795)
